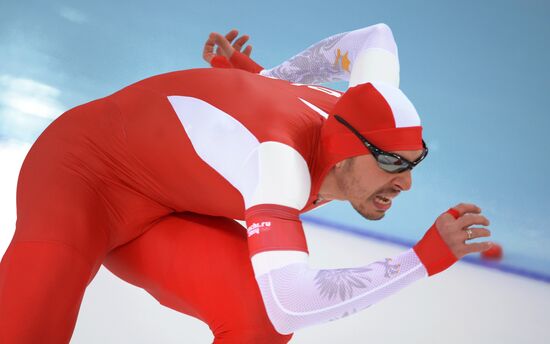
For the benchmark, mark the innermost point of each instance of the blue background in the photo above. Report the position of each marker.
(476, 71)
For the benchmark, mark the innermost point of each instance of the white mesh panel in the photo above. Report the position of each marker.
(332, 58)
(296, 296)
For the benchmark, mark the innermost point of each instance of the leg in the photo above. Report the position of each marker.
(44, 272)
(52, 258)
(58, 246)
(199, 265)
(41, 288)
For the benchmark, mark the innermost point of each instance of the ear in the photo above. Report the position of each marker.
(343, 163)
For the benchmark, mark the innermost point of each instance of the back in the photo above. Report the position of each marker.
(213, 121)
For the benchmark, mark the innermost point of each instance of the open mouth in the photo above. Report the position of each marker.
(382, 202)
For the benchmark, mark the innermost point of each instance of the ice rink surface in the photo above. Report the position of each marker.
(465, 304)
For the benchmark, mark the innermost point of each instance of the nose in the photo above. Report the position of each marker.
(403, 180)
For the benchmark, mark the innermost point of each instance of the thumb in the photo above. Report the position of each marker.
(208, 50)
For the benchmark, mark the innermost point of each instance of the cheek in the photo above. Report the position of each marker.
(344, 183)
(347, 183)
(369, 178)
(361, 182)
(364, 189)
(371, 185)
(360, 189)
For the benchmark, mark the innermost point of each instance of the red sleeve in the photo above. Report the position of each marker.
(238, 60)
(274, 227)
(242, 61)
(433, 252)
(220, 62)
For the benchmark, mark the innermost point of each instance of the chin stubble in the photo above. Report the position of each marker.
(369, 216)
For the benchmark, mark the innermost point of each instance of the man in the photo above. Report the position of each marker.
(149, 179)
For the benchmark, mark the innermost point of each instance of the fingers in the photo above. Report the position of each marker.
(476, 247)
(224, 47)
(231, 35)
(476, 233)
(465, 208)
(455, 231)
(468, 215)
(240, 42)
(472, 219)
(221, 41)
(208, 50)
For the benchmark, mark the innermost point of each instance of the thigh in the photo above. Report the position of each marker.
(59, 190)
(58, 246)
(199, 265)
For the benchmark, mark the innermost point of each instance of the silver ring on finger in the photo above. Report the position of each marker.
(469, 232)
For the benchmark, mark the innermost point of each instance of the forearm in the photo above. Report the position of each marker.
(368, 54)
(294, 294)
(297, 296)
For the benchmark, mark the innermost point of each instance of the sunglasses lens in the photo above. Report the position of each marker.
(391, 164)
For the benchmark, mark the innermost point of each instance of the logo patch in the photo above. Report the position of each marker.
(256, 227)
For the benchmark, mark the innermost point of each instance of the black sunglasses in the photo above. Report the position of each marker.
(389, 162)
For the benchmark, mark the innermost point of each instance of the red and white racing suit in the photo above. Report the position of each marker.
(148, 181)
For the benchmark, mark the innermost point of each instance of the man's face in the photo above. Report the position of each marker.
(370, 189)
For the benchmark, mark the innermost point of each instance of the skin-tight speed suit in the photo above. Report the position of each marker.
(149, 180)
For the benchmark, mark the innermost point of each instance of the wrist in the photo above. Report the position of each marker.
(220, 61)
(242, 61)
(433, 252)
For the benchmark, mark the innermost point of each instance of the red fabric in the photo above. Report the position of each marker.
(274, 227)
(104, 173)
(210, 275)
(65, 226)
(219, 61)
(238, 60)
(408, 138)
(433, 252)
(41, 288)
(365, 109)
(454, 213)
(244, 62)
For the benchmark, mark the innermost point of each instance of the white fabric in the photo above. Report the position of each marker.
(267, 172)
(325, 62)
(221, 141)
(375, 65)
(404, 112)
(266, 261)
(315, 108)
(271, 172)
(283, 177)
(296, 296)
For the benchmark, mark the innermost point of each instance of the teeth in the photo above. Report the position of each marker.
(383, 200)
